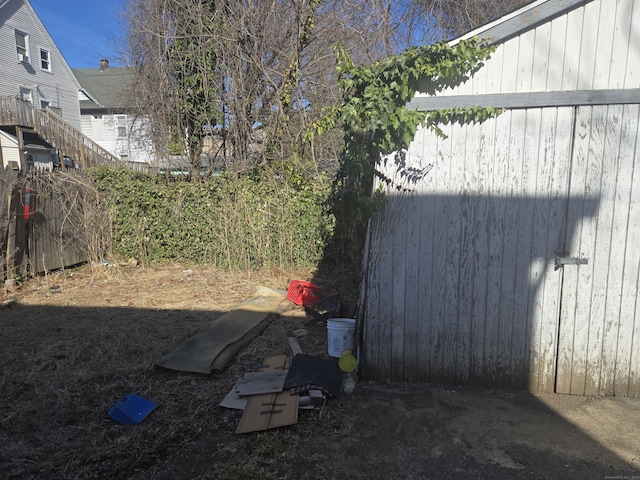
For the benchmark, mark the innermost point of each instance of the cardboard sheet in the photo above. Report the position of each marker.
(216, 345)
(269, 411)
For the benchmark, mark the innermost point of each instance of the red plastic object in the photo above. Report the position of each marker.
(303, 293)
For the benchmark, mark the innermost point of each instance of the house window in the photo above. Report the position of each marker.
(25, 94)
(45, 59)
(44, 104)
(122, 125)
(22, 46)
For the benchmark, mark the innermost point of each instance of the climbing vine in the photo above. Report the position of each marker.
(376, 122)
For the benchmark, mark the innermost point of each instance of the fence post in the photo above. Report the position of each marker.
(10, 278)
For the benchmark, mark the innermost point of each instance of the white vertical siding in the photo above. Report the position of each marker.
(591, 47)
(462, 284)
(598, 317)
(10, 151)
(627, 376)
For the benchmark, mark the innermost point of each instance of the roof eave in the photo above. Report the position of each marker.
(522, 20)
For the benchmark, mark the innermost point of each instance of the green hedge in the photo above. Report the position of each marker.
(258, 220)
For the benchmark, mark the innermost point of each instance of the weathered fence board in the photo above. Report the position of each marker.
(49, 235)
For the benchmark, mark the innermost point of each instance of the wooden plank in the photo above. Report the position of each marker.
(595, 246)
(517, 101)
(612, 227)
(524, 67)
(459, 299)
(632, 74)
(523, 315)
(570, 45)
(559, 230)
(493, 70)
(603, 51)
(427, 143)
(620, 50)
(627, 365)
(398, 221)
(550, 210)
(451, 253)
(588, 47)
(568, 320)
(412, 317)
(480, 317)
(541, 75)
(497, 177)
(437, 261)
(371, 319)
(557, 42)
(634, 374)
(385, 304)
(13, 205)
(509, 79)
(411, 205)
(294, 345)
(575, 316)
(468, 301)
(511, 250)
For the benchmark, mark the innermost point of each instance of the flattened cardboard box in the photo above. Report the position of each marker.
(269, 410)
(270, 364)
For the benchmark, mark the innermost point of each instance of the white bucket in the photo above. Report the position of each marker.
(340, 335)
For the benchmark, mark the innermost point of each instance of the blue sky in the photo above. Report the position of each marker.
(83, 30)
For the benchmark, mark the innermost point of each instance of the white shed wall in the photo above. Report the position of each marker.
(462, 283)
(592, 47)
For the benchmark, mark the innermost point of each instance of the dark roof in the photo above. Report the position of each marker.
(33, 140)
(109, 86)
(30, 140)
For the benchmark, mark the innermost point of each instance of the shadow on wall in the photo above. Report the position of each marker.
(500, 292)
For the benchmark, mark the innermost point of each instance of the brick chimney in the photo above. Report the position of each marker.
(104, 63)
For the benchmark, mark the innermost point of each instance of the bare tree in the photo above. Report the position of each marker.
(254, 74)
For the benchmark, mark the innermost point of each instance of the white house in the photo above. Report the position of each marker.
(108, 112)
(515, 261)
(32, 68)
(39, 97)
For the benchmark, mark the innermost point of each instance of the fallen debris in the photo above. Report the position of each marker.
(132, 409)
(307, 372)
(269, 411)
(215, 346)
(295, 346)
(256, 383)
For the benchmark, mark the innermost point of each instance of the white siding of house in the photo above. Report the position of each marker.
(103, 129)
(58, 87)
(10, 151)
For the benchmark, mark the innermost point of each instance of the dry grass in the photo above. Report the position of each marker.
(75, 342)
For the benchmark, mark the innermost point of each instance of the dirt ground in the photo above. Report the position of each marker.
(75, 342)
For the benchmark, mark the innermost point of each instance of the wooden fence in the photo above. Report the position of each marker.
(43, 223)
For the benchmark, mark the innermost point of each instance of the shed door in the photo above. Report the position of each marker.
(599, 312)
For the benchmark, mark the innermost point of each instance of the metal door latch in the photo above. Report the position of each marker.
(562, 261)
